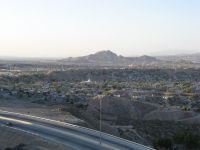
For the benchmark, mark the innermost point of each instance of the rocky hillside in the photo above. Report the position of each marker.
(122, 110)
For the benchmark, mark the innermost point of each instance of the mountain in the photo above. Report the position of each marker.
(108, 58)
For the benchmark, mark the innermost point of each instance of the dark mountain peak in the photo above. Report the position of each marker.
(106, 53)
(103, 56)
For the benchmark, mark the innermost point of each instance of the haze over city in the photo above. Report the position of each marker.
(64, 28)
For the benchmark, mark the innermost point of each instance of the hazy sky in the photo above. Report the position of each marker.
(62, 28)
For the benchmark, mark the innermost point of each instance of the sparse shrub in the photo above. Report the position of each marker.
(163, 143)
(18, 147)
(97, 86)
(80, 105)
(52, 80)
(58, 90)
(185, 108)
(193, 97)
(122, 86)
(191, 141)
(179, 137)
(58, 109)
(197, 109)
(188, 139)
(20, 95)
(105, 84)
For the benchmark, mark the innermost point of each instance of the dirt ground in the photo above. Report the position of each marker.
(32, 107)
(11, 138)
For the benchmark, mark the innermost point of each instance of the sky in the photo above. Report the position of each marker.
(65, 28)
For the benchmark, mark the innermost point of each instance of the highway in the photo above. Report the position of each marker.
(77, 137)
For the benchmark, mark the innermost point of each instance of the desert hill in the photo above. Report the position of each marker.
(108, 58)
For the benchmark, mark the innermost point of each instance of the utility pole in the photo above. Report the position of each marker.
(100, 138)
(100, 110)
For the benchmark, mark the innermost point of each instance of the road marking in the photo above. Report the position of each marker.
(15, 120)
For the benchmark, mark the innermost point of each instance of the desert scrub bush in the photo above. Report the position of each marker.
(185, 108)
(197, 109)
(188, 139)
(163, 143)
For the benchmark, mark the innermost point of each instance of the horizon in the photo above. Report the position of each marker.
(56, 58)
(76, 28)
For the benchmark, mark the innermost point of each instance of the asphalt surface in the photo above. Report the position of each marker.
(77, 137)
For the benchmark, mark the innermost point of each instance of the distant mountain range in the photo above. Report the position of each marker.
(108, 58)
(174, 52)
(195, 58)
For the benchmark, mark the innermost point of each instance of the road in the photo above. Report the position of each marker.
(77, 137)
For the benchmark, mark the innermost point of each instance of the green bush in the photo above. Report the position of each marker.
(191, 141)
(188, 139)
(105, 84)
(197, 109)
(185, 108)
(80, 105)
(163, 143)
(179, 137)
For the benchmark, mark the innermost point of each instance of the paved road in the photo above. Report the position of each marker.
(71, 135)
